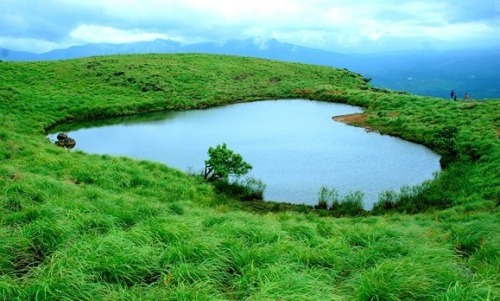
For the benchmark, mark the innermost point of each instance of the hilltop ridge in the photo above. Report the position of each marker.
(423, 72)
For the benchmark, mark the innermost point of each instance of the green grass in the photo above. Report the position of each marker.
(75, 226)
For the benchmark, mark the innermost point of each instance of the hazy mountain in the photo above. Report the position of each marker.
(271, 49)
(157, 46)
(422, 72)
(11, 55)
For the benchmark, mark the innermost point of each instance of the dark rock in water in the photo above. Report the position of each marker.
(62, 136)
(60, 143)
(70, 143)
(64, 141)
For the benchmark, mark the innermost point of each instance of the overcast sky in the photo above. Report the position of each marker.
(336, 25)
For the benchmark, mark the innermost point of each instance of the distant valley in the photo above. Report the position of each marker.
(432, 73)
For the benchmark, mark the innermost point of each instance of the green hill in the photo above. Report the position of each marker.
(75, 226)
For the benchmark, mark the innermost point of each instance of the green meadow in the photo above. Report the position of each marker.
(77, 226)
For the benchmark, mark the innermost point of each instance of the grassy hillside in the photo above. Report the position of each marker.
(75, 226)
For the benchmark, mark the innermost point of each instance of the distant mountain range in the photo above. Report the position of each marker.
(432, 73)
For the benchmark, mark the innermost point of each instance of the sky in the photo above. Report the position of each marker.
(355, 26)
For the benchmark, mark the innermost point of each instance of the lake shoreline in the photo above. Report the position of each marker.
(290, 146)
(355, 119)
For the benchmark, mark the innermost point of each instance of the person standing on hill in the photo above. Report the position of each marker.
(466, 97)
(453, 94)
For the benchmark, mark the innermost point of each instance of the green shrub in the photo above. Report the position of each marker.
(253, 188)
(386, 201)
(327, 198)
(445, 142)
(223, 163)
(350, 204)
(249, 189)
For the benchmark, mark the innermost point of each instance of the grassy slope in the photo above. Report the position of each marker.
(89, 227)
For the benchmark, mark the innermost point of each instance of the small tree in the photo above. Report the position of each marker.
(223, 163)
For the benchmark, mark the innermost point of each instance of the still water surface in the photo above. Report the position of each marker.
(294, 146)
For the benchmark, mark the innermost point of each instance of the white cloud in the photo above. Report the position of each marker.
(104, 34)
(329, 24)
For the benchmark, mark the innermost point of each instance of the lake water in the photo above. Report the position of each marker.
(294, 146)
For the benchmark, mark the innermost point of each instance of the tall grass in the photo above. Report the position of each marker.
(75, 226)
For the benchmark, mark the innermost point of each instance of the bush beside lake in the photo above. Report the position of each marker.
(94, 227)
